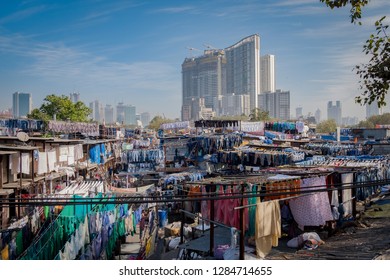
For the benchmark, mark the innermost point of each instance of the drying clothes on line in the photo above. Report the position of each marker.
(152, 155)
(77, 241)
(313, 209)
(175, 125)
(281, 184)
(347, 181)
(42, 163)
(268, 226)
(281, 127)
(253, 127)
(91, 129)
(216, 124)
(224, 207)
(22, 124)
(51, 160)
(26, 163)
(202, 145)
(95, 153)
(182, 176)
(332, 149)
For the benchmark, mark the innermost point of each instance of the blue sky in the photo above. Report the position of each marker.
(132, 51)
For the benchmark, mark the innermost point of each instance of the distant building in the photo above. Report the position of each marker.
(21, 104)
(298, 113)
(221, 72)
(372, 109)
(97, 113)
(243, 68)
(130, 115)
(145, 118)
(277, 104)
(120, 113)
(74, 97)
(235, 105)
(267, 70)
(202, 77)
(334, 112)
(317, 115)
(109, 114)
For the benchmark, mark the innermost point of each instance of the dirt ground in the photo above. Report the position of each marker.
(366, 238)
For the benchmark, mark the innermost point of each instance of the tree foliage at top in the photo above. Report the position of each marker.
(157, 121)
(327, 126)
(63, 108)
(258, 114)
(375, 75)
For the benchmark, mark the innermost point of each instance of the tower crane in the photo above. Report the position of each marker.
(192, 49)
(209, 46)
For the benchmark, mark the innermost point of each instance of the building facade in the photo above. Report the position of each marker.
(277, 104)
(317, 115)
(21, 104)
(334, 112)
(267, 80)
(232, 71)
(109, 114)
(97, 112)
(236, 105)
(298, 113)
(372, 110)
(130, 115)
(202, 77)
(145, 118)
(243, 68)
(74, 97)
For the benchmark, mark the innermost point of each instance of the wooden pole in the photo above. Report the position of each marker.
(212, 218)
(242, 232)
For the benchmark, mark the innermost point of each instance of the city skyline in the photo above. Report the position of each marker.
(132, 51)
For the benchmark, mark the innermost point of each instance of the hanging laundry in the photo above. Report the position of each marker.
(268, 226)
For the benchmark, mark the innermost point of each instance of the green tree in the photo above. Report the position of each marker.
(259, 115)
(157, 121)
(327, 126)
(63, 108)
(374, 120)
(375, 75)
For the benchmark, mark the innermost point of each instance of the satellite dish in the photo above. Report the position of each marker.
(22, 136)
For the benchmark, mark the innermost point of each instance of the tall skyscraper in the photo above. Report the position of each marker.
(202, 77)
(277, 104)
(317, 115)
(21, 104)
(334, 112)
(234, 70)
(109, 114)
(298, 113)
(235, 105)
(372, 109)
(145, 118)
(97, 113)
(243, 68)
(74, 97)
(120, 113)
(267, 80)
(130, 115)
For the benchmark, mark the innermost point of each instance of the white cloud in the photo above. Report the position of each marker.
(63, 66)
(22, 14)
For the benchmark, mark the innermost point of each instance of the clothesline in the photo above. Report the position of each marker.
(280, 199)
(208, 220)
